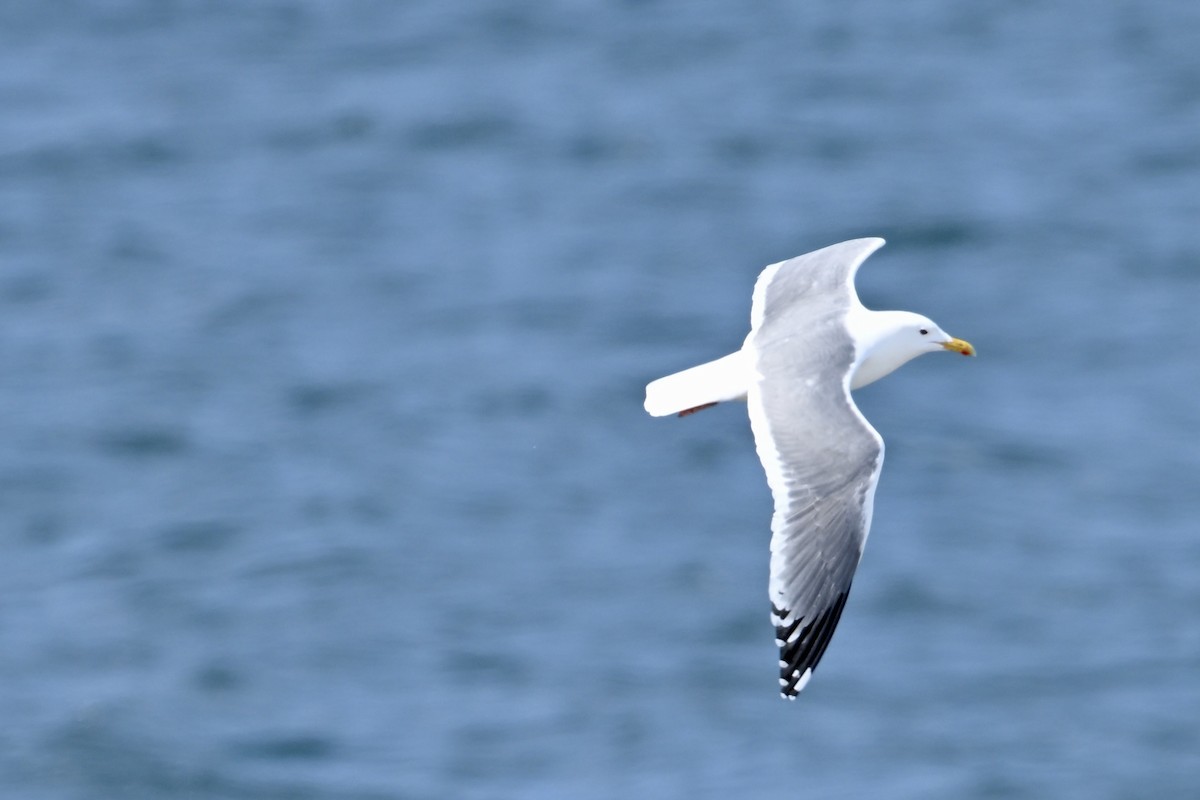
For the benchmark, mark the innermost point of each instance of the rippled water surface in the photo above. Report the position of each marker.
(324, 328)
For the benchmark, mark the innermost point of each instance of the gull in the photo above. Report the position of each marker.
(811, 343)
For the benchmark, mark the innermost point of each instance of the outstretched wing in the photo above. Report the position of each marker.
(821, 457)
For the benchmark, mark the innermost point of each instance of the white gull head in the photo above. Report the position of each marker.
(887, 340)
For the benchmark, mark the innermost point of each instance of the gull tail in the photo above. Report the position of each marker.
(693, 389)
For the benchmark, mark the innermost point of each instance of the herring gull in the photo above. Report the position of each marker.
(811, 342)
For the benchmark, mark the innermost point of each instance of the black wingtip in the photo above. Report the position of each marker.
(800, 652)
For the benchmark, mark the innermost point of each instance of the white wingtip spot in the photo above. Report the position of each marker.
(804, 679)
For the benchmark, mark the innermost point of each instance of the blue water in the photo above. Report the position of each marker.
(323, 333)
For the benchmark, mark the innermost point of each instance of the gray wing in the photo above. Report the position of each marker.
(821, 457)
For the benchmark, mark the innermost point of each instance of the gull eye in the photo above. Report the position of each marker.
(924, 332)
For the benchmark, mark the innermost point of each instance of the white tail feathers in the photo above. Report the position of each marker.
(726, 378)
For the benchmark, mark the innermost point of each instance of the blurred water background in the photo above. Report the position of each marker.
(324, 327)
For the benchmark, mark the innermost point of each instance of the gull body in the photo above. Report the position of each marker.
(889, 340)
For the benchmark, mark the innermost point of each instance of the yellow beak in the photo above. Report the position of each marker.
(959, 346)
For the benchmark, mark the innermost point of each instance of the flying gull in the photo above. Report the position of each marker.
(811, 342)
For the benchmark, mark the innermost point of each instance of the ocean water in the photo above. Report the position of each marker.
(323, 333)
